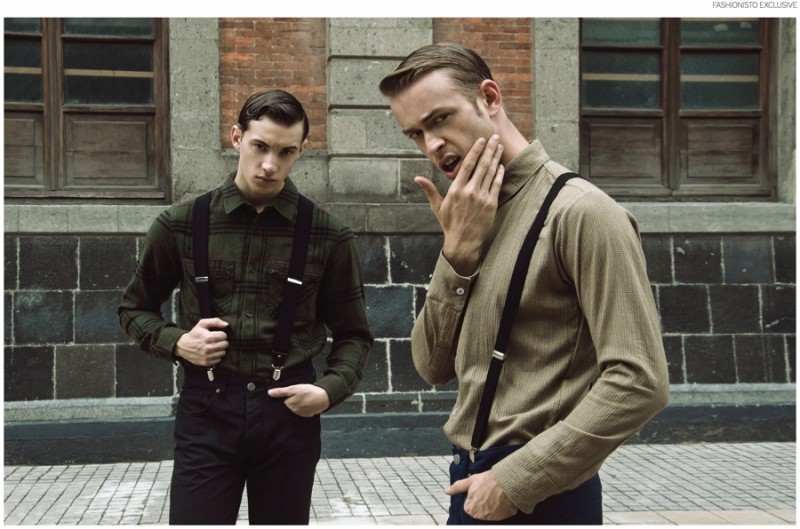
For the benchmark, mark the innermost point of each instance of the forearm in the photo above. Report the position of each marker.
(345, 367)
(434, 337)
(151, 332)
(562, 457)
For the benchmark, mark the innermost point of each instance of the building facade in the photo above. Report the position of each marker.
(713, 190)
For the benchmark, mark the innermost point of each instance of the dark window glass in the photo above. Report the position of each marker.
(108, 74)
(23, 70)
(119, 27)
(22, 25)
(720, 32)
(621, 80)
(719, 81)
(611, 32)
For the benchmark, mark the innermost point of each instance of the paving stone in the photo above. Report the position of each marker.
(695, 484)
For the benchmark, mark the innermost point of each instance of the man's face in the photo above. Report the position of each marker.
(441, 120)
(267, 152)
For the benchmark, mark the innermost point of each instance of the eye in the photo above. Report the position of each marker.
(441, 118)
(414, 135)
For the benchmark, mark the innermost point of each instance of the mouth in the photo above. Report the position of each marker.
(450, 165)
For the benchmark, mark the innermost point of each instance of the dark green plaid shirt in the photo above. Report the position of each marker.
(248, 261)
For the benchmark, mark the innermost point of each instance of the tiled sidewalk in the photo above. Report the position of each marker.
(748, 484)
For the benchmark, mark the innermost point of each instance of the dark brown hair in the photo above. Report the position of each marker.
(464, 66)
(278, 105)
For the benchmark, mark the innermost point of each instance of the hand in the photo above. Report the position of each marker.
(305, 400)
(485, 498)
(467, 213)
(204, 345)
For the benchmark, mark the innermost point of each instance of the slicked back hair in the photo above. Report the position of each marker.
(464, 66)
(278, 105)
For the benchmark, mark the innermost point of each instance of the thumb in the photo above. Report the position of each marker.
(431, 193)
(279, 393)
(459, 487)
(212, 323)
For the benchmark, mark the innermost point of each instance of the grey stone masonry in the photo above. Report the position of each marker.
(726, 304)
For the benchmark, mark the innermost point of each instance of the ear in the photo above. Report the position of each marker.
(236, 136)
(491, 96)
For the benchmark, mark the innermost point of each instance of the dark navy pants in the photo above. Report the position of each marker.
(580, 506)
(230, 434)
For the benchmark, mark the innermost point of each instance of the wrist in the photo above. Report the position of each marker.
(464, 261)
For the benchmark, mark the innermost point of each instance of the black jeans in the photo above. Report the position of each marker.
(580, 506)
(229, 433)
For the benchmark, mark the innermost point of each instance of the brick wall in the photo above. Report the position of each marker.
(727, 306)
(264, 53)
(505, 44)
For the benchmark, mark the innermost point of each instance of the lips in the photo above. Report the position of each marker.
(449, 165)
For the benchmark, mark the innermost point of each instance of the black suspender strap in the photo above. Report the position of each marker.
(510, 311)
(202, 205)
(294, 284)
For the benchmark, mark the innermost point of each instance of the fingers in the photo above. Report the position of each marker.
(431, 193)
(481, 163)
(459, 487)
(469, 162)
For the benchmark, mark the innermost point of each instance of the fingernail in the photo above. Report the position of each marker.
(495, 137)
(481, 140)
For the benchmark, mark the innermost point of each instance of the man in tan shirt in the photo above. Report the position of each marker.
(585, 366)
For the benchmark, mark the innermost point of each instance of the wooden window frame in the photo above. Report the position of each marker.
(670, 127)
(56, 115)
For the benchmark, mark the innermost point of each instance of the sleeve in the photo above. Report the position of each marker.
(345, 314)
(157, 273)
(600, 252)
(434, 337)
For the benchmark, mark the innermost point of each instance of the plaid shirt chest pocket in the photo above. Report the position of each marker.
(221, 277)
(277, 275)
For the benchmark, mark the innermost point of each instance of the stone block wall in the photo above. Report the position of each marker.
(727, 306)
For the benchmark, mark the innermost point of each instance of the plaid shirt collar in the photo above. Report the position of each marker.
(285, 203)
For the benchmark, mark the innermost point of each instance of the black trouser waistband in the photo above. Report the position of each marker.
(296, 374)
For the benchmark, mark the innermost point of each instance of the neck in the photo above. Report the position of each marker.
(513, 143)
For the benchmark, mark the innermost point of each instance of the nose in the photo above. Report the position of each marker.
(432, 144)
(269, 163)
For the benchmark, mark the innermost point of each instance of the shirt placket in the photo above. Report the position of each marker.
(255, 250)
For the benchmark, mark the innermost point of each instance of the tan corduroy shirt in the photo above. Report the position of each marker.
(587, 309)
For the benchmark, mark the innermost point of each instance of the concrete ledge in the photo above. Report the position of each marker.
(368, 435)
(716, 217)
(163, 407)
(89, 409)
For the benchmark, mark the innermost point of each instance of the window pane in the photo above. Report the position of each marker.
(628, 32)
(22, 70)
(22, 25)
(108, 73)
(621, 80)
(720, 32)
(117, 27)
(114, 57)
(719, 81)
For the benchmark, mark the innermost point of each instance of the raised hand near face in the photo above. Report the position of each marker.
(467, 212)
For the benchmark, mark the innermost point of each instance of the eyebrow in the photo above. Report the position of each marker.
(291, 147)
(424, 119)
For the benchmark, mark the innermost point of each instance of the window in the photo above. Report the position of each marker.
(85, 108)
(675, 108)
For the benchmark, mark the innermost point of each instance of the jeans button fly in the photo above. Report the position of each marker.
(251, 386)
